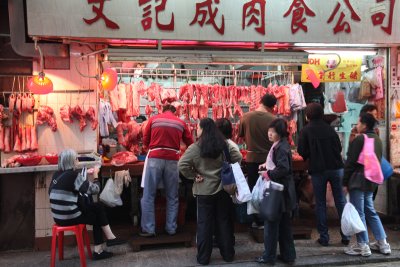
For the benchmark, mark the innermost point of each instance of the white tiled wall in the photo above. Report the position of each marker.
(68, 135)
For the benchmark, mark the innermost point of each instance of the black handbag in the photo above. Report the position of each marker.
(84, 202)
(227, 177)
(357, 179)
(271, 206)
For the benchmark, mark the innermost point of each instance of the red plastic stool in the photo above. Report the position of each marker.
(80, 234)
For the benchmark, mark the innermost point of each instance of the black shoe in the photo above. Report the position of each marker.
(228, 259)
(102, 255)
(288, 262)
(263, 261)
(323, 242)
(345, 242)
(115, 242)
(146, 234)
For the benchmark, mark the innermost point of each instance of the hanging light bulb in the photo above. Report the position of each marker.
(40, 84)
(109, 79)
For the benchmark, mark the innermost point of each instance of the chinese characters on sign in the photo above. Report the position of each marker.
(298, 8)
(100, 15)
(331, 68)
(147, 19)
(211, 13)
(379, 16)
(343, 25)
(204, 10)
(255, 15)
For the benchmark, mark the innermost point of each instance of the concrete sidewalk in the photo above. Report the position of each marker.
(309, 253)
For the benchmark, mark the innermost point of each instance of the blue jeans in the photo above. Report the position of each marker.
(167, 171)
(320, 181)
(364, 204)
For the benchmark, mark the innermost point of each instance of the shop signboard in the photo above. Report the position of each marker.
(291, 21)
(333, 68)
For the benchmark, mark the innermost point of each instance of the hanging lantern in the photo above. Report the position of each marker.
(40, 84)
(109, 79)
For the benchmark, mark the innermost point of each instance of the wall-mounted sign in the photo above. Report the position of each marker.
(334, 21)
(333, 68)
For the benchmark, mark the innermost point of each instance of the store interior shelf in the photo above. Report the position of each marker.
(45, 168)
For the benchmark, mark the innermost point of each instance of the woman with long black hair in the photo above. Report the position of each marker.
(202, 162)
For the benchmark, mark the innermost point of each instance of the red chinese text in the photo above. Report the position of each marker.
(100, 15)
(379, 17)
(298, 8)
(331, 75)
(204, 10)
(254, 11)
(342, 76)
(343, 25)
(321, 75)
(354, 75)
(147, 19)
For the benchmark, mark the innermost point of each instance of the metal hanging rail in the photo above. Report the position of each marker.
(204, 73)
(55, 91)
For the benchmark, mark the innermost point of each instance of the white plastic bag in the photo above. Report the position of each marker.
(351, 222)
(243, 193)
(253, 206)
(108, 196)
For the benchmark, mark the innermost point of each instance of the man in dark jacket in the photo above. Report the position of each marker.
(320, 144)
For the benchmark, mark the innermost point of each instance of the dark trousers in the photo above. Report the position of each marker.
(214, 211)
(95, 216)
(279, 231)
(252, 177)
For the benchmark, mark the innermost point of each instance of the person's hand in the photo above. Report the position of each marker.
(96, 171)
(199, 179)
(265, 175)
(262, 166)
(345, 190)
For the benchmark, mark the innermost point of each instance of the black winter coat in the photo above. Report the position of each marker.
(320, 144)
(283, 174)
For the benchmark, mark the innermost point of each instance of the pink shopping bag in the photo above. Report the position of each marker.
(372, 166)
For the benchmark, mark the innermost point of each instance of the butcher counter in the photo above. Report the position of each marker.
(25, 217)
(136, 170)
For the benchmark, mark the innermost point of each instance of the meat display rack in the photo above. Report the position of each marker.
(188, 74)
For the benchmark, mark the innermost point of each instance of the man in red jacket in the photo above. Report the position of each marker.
(162, 136)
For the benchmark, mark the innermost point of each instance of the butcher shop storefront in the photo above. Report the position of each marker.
(114, 64)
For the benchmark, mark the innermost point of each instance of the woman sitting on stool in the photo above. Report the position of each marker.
(67, 183)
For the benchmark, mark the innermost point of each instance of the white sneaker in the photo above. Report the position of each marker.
(384, 249)
(358, 249)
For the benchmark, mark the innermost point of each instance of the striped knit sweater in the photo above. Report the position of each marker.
(63, 191)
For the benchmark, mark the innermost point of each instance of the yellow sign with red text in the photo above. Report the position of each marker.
(333, 68)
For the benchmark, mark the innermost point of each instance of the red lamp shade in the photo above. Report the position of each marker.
(40, 84)
(109, 79)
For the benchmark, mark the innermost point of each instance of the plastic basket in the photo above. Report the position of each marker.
(29, 161)
(52, 159)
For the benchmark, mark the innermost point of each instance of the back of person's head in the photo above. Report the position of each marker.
(280, 127)
(211, 141)
(225, 126)
(314, 111)
(369, 120)
(66, 160)
(368, 108)
(268, 100)
(169, 107)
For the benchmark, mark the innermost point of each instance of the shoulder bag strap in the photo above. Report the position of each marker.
(227, 156)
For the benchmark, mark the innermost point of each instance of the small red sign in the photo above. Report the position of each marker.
(394, 127)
